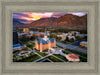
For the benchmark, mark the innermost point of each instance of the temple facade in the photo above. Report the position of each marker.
(45, 43)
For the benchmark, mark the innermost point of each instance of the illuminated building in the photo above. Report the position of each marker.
(26, 30)
(72, 57)
(83, 44)
(45, 43)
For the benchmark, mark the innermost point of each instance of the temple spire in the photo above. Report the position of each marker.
(45, 31)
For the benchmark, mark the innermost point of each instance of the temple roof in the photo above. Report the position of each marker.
(45, 42)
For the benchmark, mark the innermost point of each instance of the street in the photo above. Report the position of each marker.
(72, 47)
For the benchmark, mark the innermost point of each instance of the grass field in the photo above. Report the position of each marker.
(42, 54)
(29, 44)
(61, 57)
(54, 59)
(32, 57)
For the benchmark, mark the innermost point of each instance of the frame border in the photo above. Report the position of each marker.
(15, 3)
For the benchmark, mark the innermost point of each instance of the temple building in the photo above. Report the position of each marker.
(45, 43)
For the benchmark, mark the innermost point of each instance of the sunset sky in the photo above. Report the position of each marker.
(30, 17)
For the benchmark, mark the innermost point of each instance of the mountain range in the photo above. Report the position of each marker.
(17, 22)
(67, 21)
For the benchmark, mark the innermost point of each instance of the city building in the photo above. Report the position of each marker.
(83, 44)
(15, 37)
(39, 34)
(21, 34)
(71, 37)
(63, 36)
(73, 33)
(72, 57)
(18, 47)
(16, 44)
(81, 35)
(31, 32)
(48, 32)
(45, 43)
(26, 30)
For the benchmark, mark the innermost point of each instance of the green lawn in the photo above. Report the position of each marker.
(32, 57)
(59, 46)
(61, 57)
(66, 42)
(29, 44)
(54, 59)
(66, 52)
(45, 50)
(16, 52)
(26, 49)
(42, 54)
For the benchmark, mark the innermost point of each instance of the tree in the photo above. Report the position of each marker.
(59, 38)
(71, 40)
(67, 39)
(24, 38)
(33, 37)
(52, 36)
(79, 38)
(42, 36)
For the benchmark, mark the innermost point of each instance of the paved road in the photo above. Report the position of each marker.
(41, 58)
(48, 56)
(38, 54)
(46, 59)
(79, 55)
(78, 42)
(72, 47)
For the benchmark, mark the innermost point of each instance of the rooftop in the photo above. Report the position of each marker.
(84, 42)
(45, 42)
(18, 45)
(74, 56)
(80, 35)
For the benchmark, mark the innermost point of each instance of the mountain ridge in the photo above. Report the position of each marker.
(68, 21)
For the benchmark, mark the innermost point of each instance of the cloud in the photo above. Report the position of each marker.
(58, 14)
(78, 13)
